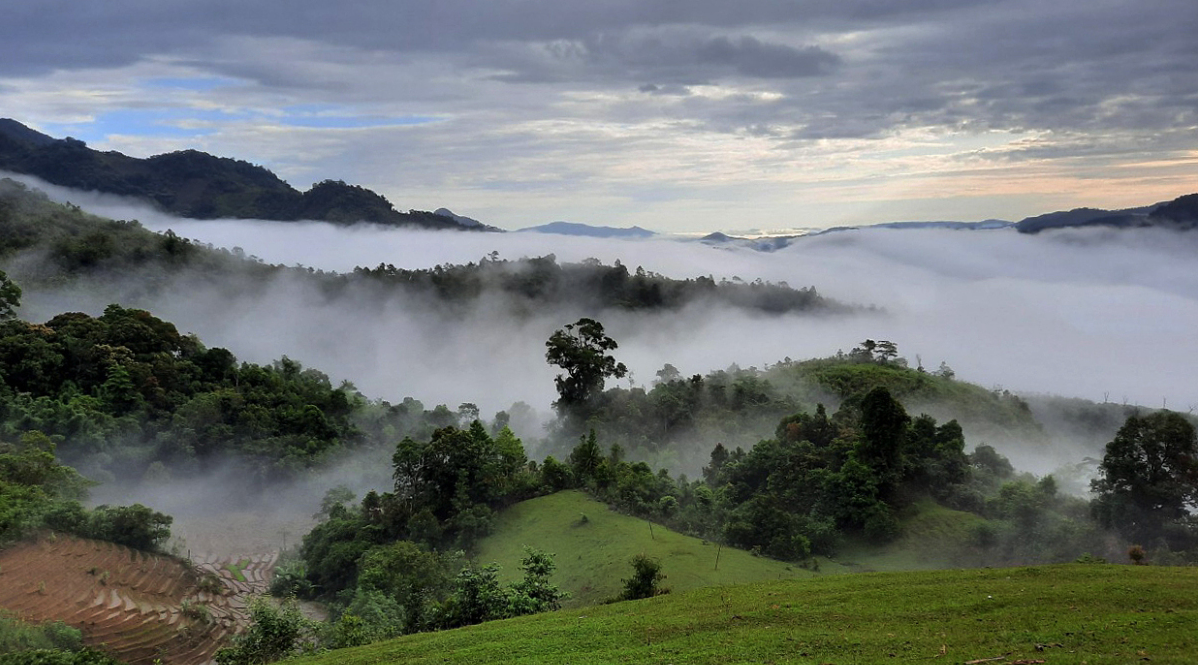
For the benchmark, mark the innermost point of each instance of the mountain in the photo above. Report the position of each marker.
(467, 222)
(575, 229)
(1182, 211)
(774, 243)
(1180, 214)
(985, 225)
(1084, 217)
(766, 244)
(195, 184)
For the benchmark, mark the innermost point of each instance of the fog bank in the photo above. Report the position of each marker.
(1093, 313)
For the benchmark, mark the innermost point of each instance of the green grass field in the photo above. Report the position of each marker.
(593, 556)
(1059, 615)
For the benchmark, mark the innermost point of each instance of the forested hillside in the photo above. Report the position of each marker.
(46, 243)
(195, 184)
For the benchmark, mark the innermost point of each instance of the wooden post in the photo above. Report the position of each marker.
(717, 555)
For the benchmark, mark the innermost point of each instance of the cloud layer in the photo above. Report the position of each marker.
(674, 116)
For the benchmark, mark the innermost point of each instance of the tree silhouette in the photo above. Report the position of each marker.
(581, 350)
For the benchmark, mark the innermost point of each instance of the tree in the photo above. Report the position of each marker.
(134, 526)
(535, 593)
(586, 458)
(10, 297)
(581, 350)
(884, 426)
(1149, 475)
(411, 576)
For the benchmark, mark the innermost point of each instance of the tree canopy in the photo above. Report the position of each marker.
(581, 350)
(1148, 478)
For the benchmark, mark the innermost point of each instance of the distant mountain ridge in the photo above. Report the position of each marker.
(576, 229)
(1180, 214)
(195, 184)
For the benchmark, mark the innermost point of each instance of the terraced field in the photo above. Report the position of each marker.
(139, 607)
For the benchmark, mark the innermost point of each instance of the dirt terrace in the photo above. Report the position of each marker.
(139, 607)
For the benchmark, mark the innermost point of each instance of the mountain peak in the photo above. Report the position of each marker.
(577, 229)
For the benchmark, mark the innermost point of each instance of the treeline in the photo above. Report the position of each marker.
(125, 393)
(676, 421)
(822, 481)
(591, 285)
(74, 245)
(37, 492)
(394, 562)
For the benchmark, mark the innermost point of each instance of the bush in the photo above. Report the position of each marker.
(274, 633)
(58, 657)
(16, 635)
(134, 526)
(881, 525)
(645, 581)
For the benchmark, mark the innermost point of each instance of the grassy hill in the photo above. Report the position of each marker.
(1061, 615)
(593, 555)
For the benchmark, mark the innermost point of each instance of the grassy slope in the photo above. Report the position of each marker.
(1096, 614)
(934, 537)
(592, 557)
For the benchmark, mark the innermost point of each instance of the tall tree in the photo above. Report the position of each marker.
(1148, 478)
(884, 425)
(582, 351)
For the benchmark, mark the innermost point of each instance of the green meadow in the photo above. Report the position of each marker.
(592, 546)
(1065, 614)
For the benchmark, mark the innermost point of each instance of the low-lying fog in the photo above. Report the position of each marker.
(1092, 313)
(1086, 313)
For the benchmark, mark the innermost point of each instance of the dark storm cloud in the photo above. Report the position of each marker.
(752, 57)
(676, 57)
(1117, 71)
(40, 36)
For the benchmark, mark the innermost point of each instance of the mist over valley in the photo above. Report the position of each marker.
(1097, 313)
(607, 332)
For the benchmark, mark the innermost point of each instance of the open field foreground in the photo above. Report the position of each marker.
(141, 608)
(1057, 615)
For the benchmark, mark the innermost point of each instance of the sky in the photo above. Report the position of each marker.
(678, 116)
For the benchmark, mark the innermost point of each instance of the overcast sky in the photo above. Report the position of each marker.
(690, 115)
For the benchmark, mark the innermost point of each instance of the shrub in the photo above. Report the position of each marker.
(1137, 555)
(645, 581)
